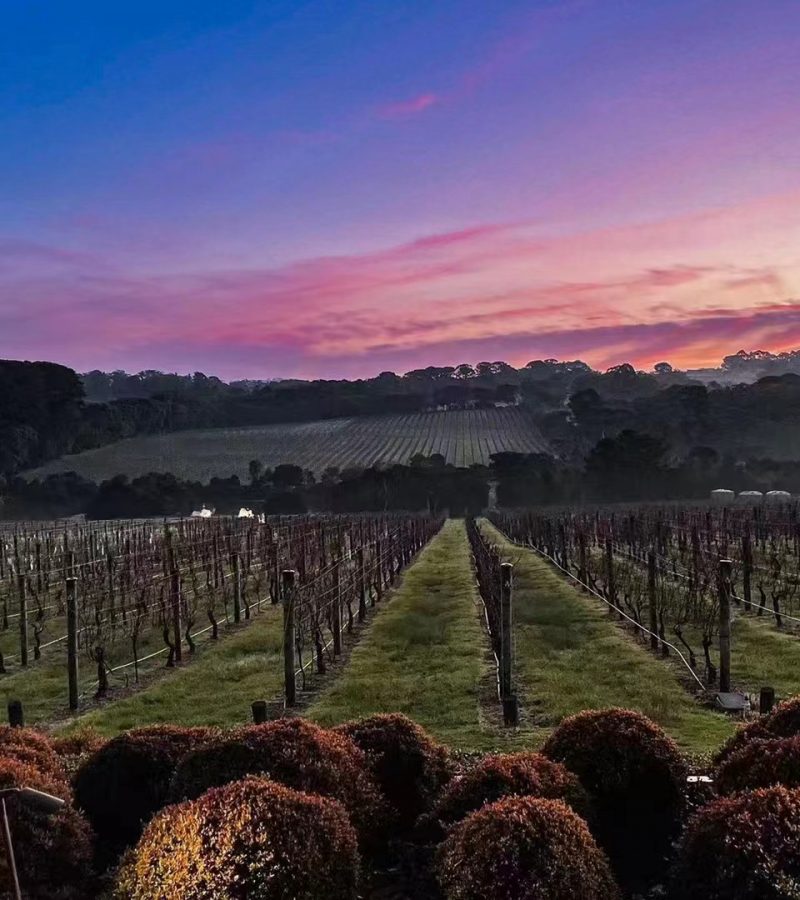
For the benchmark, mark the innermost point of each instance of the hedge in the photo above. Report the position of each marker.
(524, 848)
(296, 753)
(250, 839)
(745, 847)
(636, 779)
(409, 766)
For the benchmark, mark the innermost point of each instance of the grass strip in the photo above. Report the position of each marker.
(425, 654)
(215, 688)
(570, 656)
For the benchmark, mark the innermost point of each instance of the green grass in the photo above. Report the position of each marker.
(216, 688)
(570, 656)
(425, 653)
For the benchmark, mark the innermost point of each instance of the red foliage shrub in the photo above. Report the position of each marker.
(744, 847)
(126, 781)
(761, 763)
(524, 848)
(635, 776)
(78, 743)
(495, 777)
(26, 745)
(53, 852)
(782, 722)
(408, 765)
(296, 753)
(252, 838)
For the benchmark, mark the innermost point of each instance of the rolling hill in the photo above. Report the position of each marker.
(463, 437)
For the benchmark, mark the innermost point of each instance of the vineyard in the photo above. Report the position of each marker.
(702, 584)
(89, 609)
(572, 645)
(463, 437)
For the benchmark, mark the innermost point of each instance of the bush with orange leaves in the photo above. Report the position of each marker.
(504, 775)
(253, 838)
(125, 782)
(293, 752)
(409, 766)
(524, 848)
(744, 847)
(53, 852)
(760, 763)
(782, 722)
(26, 745)
(636, 779)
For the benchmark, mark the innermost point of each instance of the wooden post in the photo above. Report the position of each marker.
(506, 576)
(725, 625)
(23, 619)
(582, 571)
(747, 570)
(290, 689)
(507, 695)
(175, 600)
(362, 585)
(259, 710)
(72, 643)
(651, 599)
(766, 700)
(237, 588)
(611, 587)
(336, 612)
(16, 715)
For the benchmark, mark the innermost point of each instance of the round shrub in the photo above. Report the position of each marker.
(26, 745)
(126, 781)
(293, 752)
(249, 839)
(506, 775)
(53, 852)
(782, 722)
(744, 847)
(761, 763)
(524, 848)
(409, 766)
(636, 779)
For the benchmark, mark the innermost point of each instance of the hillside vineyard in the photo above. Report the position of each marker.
(463, 437)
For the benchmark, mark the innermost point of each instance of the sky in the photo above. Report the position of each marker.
(334, 189)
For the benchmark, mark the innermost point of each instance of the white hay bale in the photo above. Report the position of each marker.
(721, 496)
(751, 497)
(245, 513)
(778, 497)
(203, 513)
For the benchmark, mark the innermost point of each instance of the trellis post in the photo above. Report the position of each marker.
(725, 566)
(288, 591)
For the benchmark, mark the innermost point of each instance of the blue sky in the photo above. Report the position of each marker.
(335, 188)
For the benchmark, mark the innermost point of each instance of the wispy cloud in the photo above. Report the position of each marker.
(412, 106)
(677, 287)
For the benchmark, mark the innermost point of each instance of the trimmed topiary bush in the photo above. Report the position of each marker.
(506, 775)
(296, 753)
(249, 839)
(761, 763)
(745, 847)
(782, 722)
(524, 848)
(409, 766)
(26, 745)
(636, 778)
(126, 781)
(53, 852)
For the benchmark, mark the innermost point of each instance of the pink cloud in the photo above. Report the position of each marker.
(411, 107)
(619, 292)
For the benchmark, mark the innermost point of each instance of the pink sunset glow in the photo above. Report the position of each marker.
(567, 181)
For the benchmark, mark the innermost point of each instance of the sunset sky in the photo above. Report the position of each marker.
(332, 189)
